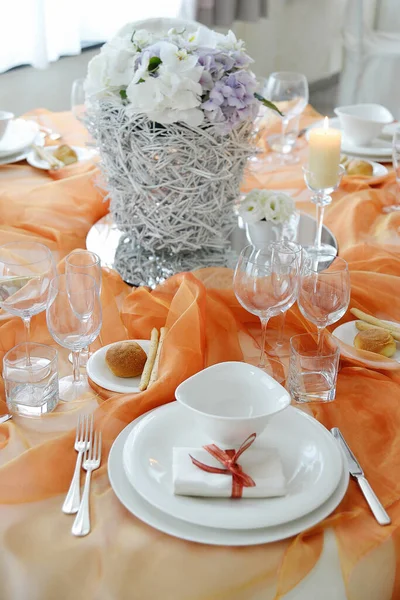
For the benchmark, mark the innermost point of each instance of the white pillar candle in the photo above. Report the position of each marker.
(324, 155)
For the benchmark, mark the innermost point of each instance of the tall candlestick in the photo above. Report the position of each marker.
(324, 155)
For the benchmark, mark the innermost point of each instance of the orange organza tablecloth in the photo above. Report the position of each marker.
(123, 558)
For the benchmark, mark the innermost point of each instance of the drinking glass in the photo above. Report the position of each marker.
(396, 166)
(290, 91)
(26, 270)
(86, 262)
(31, 390)
(313, 368)
(74, 320)
(78, 107)
(266, 282)
(324, 293)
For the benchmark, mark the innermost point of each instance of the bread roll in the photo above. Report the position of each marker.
(393, 330)
(359, 167)
(66, 154)
(376, 340)
(126, 359)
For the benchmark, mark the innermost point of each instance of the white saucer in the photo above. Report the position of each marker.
(10, 159)
(19, 135)
(348, 331)
(311, 462)
(98, 372)
(135, 504)
(34, 160)
(379, 149)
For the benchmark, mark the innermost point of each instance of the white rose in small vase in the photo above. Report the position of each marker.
(269, 216)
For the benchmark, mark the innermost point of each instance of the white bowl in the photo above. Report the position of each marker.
(232, 400)
(5, 118)
(362, 123)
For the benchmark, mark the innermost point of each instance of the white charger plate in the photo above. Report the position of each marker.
(19, 135)
(310, 457)
(135, 504)
(34, 160)
(98, 371)
(380, 148)
(348, 331)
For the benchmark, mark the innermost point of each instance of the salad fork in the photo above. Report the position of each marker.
(83, 429)
(91, 462)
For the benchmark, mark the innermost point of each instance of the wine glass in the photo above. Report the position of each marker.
(86, 262)
(74, 320)
(26, 270)
(324, 293)
(78, 106)
(290, 91)
(396, 165)
(266, 282)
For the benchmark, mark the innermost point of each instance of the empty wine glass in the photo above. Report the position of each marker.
(266, 282)
(78, 106)
(86, 262)
(396, 166)
(290, 91)
(324, 293)
(26, 270)
(74, 320)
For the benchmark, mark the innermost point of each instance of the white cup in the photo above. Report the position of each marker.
(5, 118)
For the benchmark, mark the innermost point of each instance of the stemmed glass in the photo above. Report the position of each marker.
(324, 293)
(78, 107)
(266, 282)
(292, 90)
(321, 198)
(396, 164)
(74, 320)
(26, 270)
(85, 262)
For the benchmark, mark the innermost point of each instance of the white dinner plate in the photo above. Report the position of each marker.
(135, 504)
(310, 458)
(98, 372)
(34, 160)
(348, 331)
(22, 154)
(389, 130)
(19, 135)
(380, 148)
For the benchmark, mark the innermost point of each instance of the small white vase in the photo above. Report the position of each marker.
(265, 232)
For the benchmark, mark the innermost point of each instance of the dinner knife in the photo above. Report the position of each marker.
(5, 418)
(356, 471)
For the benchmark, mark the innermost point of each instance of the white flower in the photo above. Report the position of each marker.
(96, 79)
(142, 38)
(251, 209)
(203, 37)
(270, 205)
(112, 69)
(229, 41)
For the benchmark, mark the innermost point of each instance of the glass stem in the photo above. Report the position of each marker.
(320, 335)
(281, 330)
(320, 208)
(27, 327)
(264, 325)
(75, 366)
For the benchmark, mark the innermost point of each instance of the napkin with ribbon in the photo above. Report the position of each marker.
(199, 472)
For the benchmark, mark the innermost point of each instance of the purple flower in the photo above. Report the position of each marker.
(232, 100)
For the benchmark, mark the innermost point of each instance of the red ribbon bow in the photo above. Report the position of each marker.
(229, 459)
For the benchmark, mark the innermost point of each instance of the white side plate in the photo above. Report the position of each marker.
(348, 331)
(19, 135)
(34, 160)
(98, 372)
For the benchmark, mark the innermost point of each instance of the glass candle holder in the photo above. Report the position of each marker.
(321, 198)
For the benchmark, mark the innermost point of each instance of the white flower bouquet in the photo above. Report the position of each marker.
(267, 205)
(171, 112)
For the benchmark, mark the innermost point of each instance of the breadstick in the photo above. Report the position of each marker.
(151, 357)
(373, 321)
(154, 373)
(362, 326)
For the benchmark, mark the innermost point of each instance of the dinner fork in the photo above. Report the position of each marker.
(83, 429)
(91, 462)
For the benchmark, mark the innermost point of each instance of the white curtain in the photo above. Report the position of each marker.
(37, 32)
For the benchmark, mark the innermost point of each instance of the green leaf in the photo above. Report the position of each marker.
(154, 63)
(122, 93)
(268, 104)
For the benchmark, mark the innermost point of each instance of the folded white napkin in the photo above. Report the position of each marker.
(263, 466)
